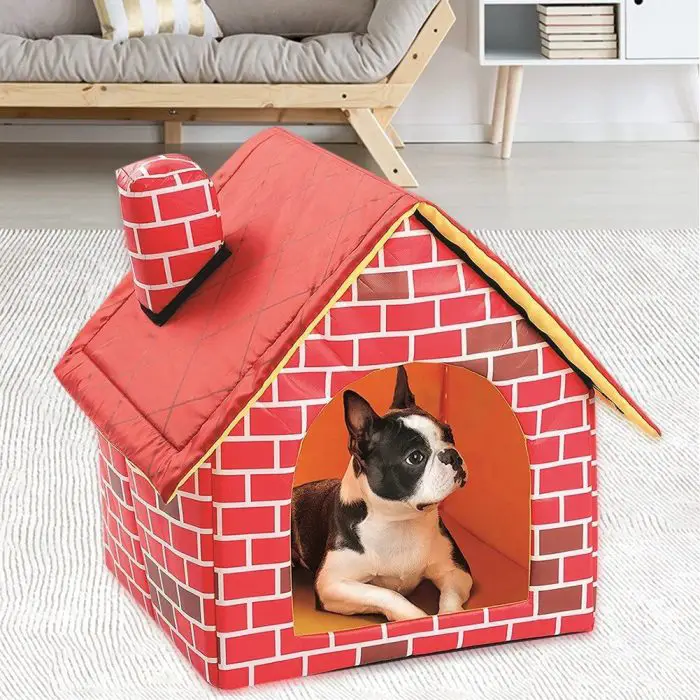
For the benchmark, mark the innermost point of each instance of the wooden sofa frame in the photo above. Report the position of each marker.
(369, 108)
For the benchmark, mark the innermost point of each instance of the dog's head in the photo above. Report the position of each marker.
(407, 454)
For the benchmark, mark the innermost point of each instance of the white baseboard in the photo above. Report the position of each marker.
(552, 133)
(37, 131)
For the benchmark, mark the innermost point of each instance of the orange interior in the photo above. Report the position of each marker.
(489, 518)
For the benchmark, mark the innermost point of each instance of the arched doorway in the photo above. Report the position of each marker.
(489, 518)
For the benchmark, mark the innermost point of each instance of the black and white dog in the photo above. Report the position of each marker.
(372, 536)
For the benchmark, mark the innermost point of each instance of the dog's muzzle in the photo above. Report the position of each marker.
(454, 459)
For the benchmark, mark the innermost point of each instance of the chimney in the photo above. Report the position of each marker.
(172, 230)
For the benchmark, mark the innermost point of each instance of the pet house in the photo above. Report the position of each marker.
(333, 278)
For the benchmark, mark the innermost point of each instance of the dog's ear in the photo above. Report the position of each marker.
(403, 396)
(359, 415)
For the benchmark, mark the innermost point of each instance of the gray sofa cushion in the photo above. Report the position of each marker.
(248, 58)
(38, 19)
(292, 17)
(44, 19)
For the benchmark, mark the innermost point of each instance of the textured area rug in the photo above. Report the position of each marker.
(68, 631)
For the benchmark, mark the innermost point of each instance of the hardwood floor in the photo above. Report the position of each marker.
(545, 185)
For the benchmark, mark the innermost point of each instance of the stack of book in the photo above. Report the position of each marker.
(578, 31)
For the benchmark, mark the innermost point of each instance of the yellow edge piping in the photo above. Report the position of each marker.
(339, 293)
(536, 314)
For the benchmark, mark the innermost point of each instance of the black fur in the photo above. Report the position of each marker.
(457, 556)
(381, 446)
(321, 522)
(403, 396)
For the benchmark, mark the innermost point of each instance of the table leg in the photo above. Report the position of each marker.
(515, 84)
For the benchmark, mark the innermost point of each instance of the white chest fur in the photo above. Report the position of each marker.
(397, 550)
(398, 542)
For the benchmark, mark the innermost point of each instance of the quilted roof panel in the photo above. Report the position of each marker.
(164, 395)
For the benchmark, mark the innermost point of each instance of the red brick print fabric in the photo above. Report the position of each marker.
(163, 555)
(228, 529)
(172, 225)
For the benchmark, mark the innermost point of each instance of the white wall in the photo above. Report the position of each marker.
(452, 102)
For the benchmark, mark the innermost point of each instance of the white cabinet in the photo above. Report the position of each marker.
(662, 29)
(506, 33)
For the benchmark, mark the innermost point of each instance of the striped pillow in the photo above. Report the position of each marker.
(123, 19)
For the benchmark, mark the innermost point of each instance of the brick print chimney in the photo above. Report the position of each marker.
(172, 230)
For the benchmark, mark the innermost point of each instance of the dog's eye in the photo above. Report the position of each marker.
(416, 457)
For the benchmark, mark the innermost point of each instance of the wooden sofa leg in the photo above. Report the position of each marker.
(380, 147)
(394, 137)
(172, 133)
(384, 116)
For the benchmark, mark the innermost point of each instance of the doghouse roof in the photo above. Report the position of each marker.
(301, 224)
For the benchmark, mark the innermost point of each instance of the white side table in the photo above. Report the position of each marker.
(505, 34)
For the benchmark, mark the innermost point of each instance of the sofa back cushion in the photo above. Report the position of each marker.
(43, 19)
(295, 18)
(39, 19)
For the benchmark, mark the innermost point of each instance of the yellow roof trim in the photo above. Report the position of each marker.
(540, 317)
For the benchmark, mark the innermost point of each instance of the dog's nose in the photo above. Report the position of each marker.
(452, 457)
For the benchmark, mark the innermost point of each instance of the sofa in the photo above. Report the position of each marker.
(290, 61)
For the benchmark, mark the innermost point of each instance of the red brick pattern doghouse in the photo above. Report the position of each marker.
(197, 527)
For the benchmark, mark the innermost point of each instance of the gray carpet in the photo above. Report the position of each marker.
(68, 631)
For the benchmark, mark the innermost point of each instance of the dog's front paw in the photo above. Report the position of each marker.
(453, 599)
(406, 612)
(451, 607)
